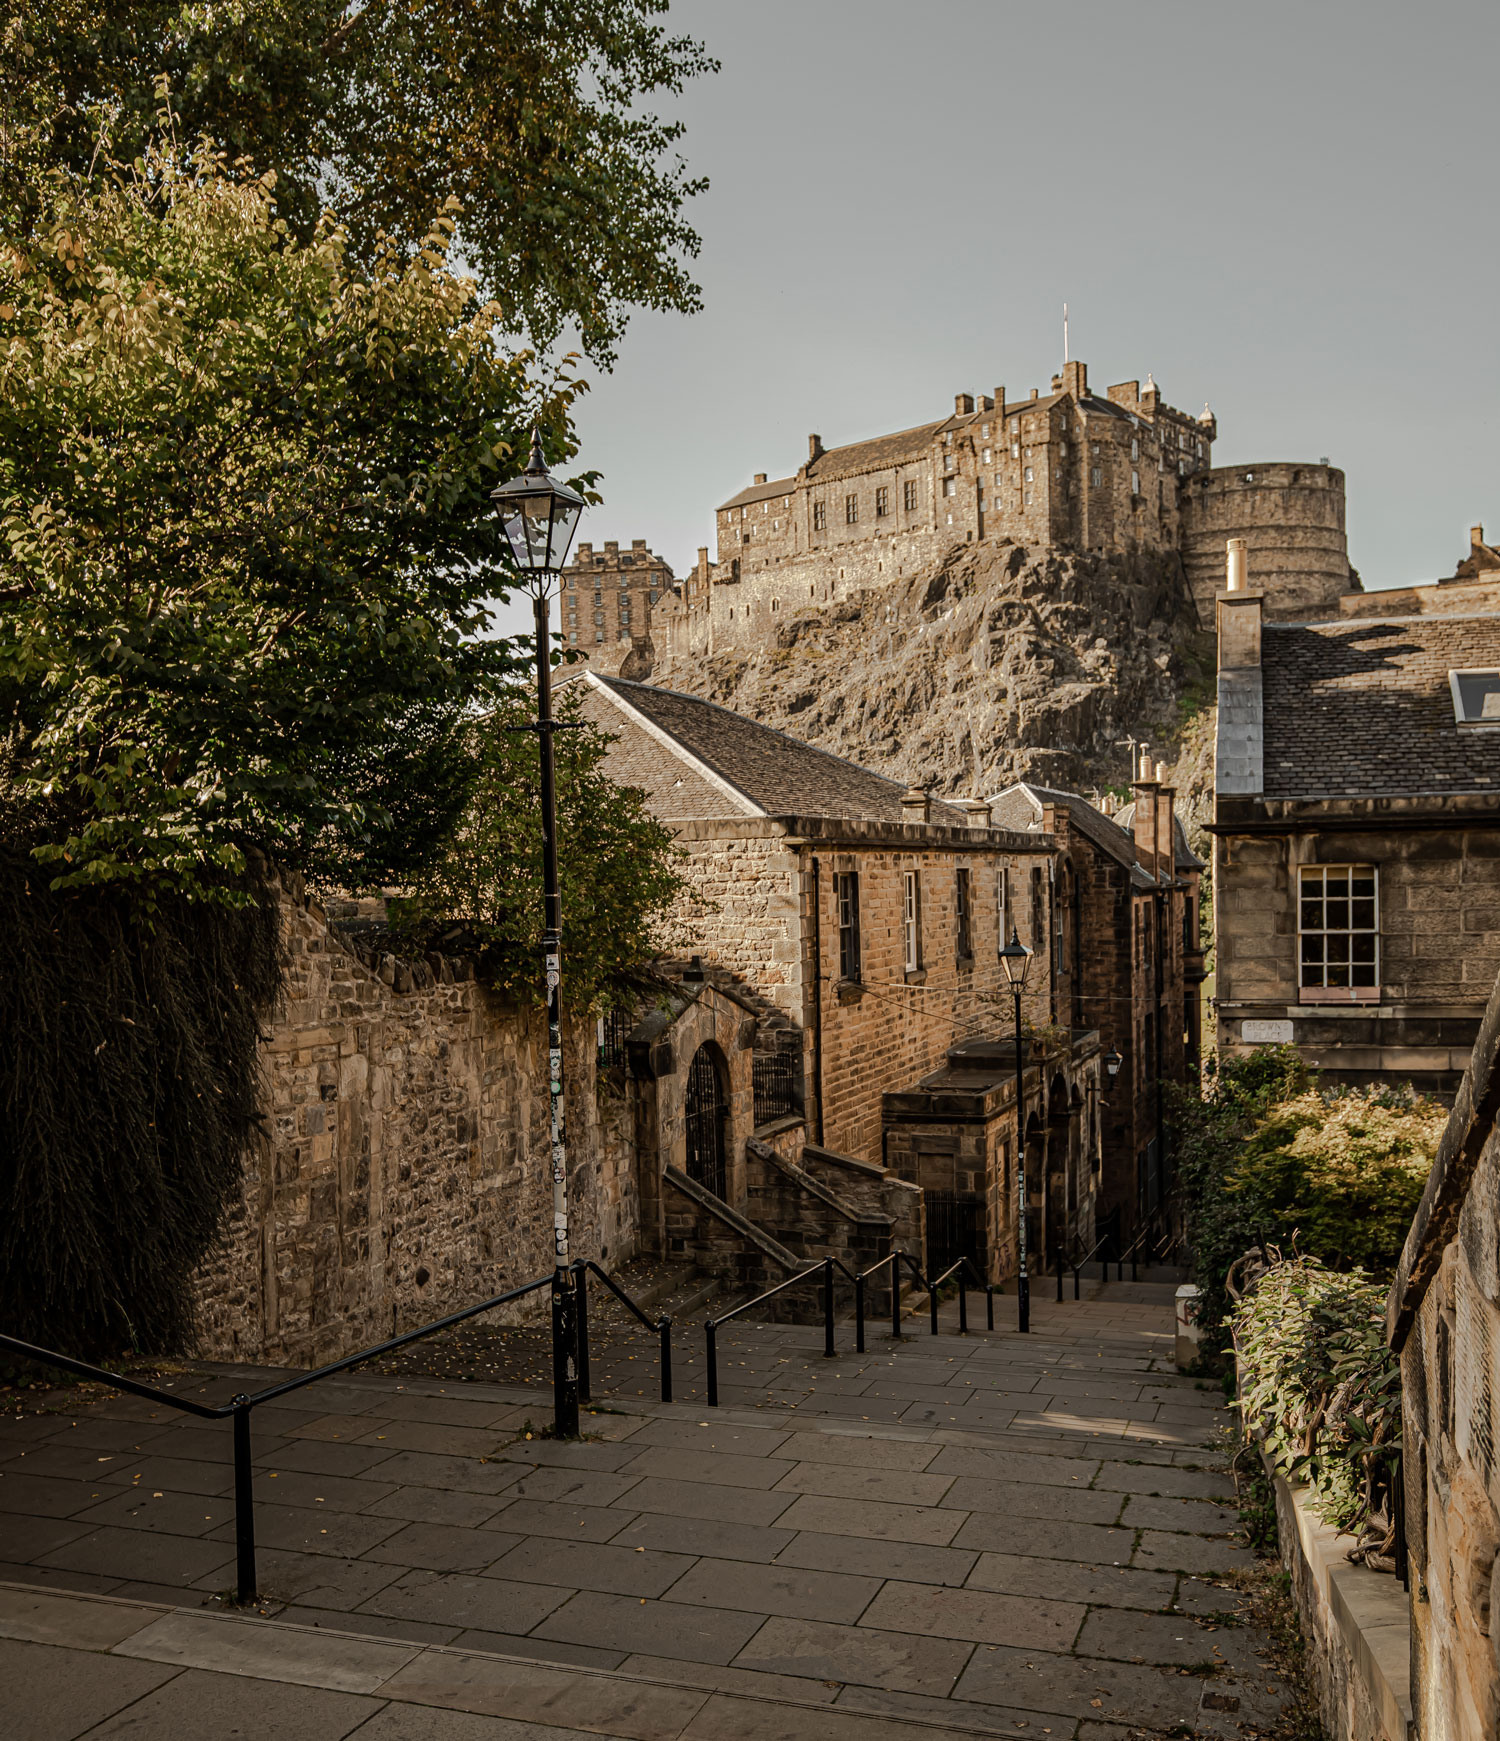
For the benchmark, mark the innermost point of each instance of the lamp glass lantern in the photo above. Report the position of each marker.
(540, 517)
(1112, 1063)
(1015, 958)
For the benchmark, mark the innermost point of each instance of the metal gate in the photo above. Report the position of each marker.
(706, 1114)
(955, 1229)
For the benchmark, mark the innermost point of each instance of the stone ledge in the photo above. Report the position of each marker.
(1361, 1626)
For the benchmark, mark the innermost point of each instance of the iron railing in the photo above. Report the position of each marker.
(775, 1079)
(1078, 1266)
(824, 1270)
(239, 1409)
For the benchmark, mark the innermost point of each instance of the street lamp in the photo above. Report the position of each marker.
(1112, 1063)
(540, 517)
(1015, 958)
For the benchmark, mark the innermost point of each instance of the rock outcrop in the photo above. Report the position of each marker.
(1000, 662)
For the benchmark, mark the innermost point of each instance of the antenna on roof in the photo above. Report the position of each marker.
(1065, 332)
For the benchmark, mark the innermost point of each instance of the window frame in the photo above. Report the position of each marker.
(1463, 720)
(820, 516)
(851, 510)
(846, 913)
(909, 495)
(882, 501)
(911, 921)
(1326, 993)
(963, 914)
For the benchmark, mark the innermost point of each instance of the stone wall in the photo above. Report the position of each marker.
(403, 1169)
(1292, 520)
(1443, 1317)
(1439, 946)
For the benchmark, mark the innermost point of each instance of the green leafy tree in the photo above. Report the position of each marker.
(245, 533)
(617, 865)
(530, 113)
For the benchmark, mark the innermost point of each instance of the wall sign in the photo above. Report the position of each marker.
(1266, 1033)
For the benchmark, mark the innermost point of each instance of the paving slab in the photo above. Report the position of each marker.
(1151, 1698)
(707, 1535)
(872, 1518)
(594, 1523)
(1040, 1538)
(268, 1650)
(776, 1589)
(878, 1559)
(705, 1500)
(458, 1599)
(825, 1652)
(981, 1616)
(54, 1694)
(701, 1634)
(443, 1547)
(198, 1706)
(621, 1570)
(1072, 1581)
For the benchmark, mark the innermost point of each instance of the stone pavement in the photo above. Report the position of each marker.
(990, 1534)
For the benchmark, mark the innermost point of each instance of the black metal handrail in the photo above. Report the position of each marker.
(662, 1326)
(1148, 1236)
(239, 1408)
(1079, 1266)
(826, 1267)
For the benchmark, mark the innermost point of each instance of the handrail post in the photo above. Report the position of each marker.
(859, 1313)
(989, 1306)
(244, 1504)
(963, 1306)
(710, 1330)
(581, 1289)
(828, 1348)
(1059, 1275)
(1077, 1279)
(664, 1330)
(932, 1303)
(896, 1257)
(1133, 1250)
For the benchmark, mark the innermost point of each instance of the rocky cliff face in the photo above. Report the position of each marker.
(1000, 662)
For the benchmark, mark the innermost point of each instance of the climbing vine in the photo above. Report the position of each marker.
(128, 1098)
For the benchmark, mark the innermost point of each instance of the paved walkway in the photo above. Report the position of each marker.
(981, 1535)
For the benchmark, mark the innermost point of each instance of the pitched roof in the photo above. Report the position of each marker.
(867, 456)
(759, 493)
(773, 774)
(1024, 802)
(1363, 707)
(1184, 857)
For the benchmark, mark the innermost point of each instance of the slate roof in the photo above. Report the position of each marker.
(779, 775)
(1363, 707)
(759, 493)
(1020, 806)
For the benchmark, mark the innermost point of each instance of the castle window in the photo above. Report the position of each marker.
(998, 480)
(882, 501)
(987, 459)
(947, 462)
(820, 516)
(1135, 483)
(846, 897)
(1338, 925)
(654, 597)
(572, 583)
(1028, 498)
(1015, 450)
(949, 486)
(1135, 448)
(1028, 475)
(851, 510)
(598, 637)
(1095, 446)
(1096, 477)
(909, 496)
(911, 920)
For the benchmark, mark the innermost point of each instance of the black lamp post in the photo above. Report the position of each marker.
(1015, 958)
(1112, 1063)
(540, 517)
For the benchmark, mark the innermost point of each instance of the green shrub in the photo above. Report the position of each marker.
(1319, 1388)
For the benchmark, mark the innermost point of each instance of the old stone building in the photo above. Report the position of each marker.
(1128, 964)
(866, 920)
(1443, 1319)
(1357, 838)
(607, 597)
(1122, 473)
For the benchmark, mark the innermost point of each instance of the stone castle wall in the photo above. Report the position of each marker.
(1292, 520)
(404, 1167)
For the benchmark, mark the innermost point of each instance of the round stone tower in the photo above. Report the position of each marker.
(1292, 520)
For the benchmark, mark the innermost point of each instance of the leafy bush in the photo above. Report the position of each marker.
(1343, 1169)
(1320, 1390)
(1265, 1156)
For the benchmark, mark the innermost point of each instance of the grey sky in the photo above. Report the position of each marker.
(1286, 209)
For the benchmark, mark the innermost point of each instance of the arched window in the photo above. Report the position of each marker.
(707, 1114)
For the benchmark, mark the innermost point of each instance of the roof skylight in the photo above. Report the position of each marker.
(1476, 698)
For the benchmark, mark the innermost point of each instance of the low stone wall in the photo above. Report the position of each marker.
(404, 1168)
(1356, 1622)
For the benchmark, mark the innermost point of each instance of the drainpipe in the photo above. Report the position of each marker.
(817, 1009)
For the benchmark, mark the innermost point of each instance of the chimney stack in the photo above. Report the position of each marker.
(963, 403)
(1235, 565)
(916, 804)
(1166, 846)
(1143, 823)
(1000, 401)
(1476, 537)
(814, 448)
(977, 810)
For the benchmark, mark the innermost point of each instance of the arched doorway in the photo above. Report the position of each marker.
(707, 1115)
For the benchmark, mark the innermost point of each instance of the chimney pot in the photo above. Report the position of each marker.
(1161, 773)
(1236, 562)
